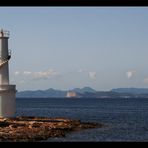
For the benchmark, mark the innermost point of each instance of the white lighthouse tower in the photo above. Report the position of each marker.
(7, 92)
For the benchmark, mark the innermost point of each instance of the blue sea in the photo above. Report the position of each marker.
(124, 119)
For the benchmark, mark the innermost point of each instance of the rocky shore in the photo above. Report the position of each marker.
(30, 129)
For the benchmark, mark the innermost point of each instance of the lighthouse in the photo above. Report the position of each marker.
(7, 91)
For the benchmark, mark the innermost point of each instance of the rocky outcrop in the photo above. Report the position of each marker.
(38, 128)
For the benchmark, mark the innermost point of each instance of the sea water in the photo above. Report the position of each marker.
(124, 119)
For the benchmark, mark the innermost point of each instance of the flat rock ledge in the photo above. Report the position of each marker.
(31, 129)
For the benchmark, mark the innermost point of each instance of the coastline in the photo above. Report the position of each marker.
(31, 129)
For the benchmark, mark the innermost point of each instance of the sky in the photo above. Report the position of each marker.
(69, 47)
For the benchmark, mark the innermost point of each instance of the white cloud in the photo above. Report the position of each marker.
(130, 74)
(27, 73)
(80, 70)
(16, 72)
(44, 74)
(92, 74)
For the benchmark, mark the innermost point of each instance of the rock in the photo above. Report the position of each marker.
(38, 128)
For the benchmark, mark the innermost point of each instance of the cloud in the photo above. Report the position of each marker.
(130, 74)
(37, 75)
(16, 73)
(92, 74)
(27, 73)
(80, 70)
(44, 74)
(24, 73)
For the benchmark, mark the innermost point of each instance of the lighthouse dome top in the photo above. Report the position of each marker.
(4, 33)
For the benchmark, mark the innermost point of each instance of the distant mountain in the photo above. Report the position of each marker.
(41, 93)
(131, 90)
(52, 92)
(83, 90)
